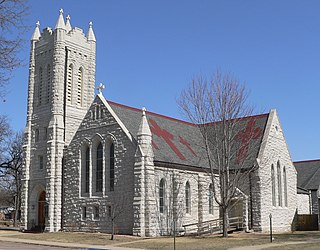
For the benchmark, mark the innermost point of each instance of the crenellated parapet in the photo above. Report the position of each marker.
(64, 30)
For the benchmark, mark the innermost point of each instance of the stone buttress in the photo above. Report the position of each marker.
(144, 204)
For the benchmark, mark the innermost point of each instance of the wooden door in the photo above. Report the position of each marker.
(236, 209)
(41, 210)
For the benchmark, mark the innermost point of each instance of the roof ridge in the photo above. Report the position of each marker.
(151, 113)
(179, 120)
(315, 160)
(241, 118)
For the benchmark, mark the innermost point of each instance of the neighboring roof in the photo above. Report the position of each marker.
(302, 191)
(308, 174)
(180, 142)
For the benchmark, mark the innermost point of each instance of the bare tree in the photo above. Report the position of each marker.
(10, 172)
(5, 133)
(12, 14)
(218, 107)
(117, 207)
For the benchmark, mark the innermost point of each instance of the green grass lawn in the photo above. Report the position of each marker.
(83, 238)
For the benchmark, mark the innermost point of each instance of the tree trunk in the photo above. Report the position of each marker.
(17, 199)
(225, 222)
(112, 235)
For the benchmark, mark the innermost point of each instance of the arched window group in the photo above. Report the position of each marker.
(44, 85)
(163, 198)
(279, 180)
(74, 90)
(95, 168)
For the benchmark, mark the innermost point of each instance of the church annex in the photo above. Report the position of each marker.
(89, 160)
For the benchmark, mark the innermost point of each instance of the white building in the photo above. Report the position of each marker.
(87, 158)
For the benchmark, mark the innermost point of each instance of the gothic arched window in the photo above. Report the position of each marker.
(69, 84)
(80, 86)
(273, 183)
(285, 187)
(162, 195)
(99, 168)
(111, 158)
(188, 198)
(279, 184)
(210, 199)
(40, 86)
(87, 170)
(48, 83)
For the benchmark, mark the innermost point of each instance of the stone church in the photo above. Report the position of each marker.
(90, 161)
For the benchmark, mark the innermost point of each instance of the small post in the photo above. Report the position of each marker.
(270, 216)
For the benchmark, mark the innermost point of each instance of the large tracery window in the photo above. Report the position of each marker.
(285, 187)
(111, 167)
(273, 186)
(99, 168)
(279, 184)
(161, 195)
(188, 198)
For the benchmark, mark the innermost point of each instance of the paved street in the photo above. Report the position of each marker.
(14, 245)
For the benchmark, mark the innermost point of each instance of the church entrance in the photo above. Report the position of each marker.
(41, 210)
(236, 209)
(237, 215)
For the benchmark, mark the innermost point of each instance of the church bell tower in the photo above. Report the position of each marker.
(60, 91)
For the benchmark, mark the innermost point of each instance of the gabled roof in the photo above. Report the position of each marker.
(308, 174)
(180, 142)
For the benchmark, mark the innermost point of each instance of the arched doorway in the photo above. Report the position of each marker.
(41, 210)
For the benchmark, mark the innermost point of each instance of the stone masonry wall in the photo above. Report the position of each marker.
(274, 149)
(175, 203)
(99, 127)
(303, 203)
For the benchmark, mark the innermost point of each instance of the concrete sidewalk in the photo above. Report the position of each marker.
(63, 244)
(271, 245)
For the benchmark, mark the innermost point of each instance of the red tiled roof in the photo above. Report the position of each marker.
(180, 142)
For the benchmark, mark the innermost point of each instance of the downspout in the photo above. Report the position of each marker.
(64, 136)
(62, 193)
(65, 95)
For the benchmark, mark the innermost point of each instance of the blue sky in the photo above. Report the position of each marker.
(149, 50)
